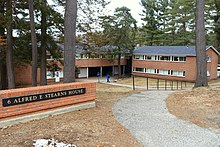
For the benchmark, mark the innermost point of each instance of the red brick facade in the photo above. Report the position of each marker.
(188, 66)
(23, 73)
(98, 62)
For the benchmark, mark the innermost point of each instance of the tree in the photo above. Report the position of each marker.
(151, 18)
(9, 51)
(34, 43)
(3, 73)
(89, 12)
(69, 40)
(216, 19)
(119, 30)
(180, 27)
(43, 70)
(201, 78)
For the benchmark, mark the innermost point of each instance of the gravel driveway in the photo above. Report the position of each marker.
(146, 116)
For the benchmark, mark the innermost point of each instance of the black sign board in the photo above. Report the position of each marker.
(41, 97)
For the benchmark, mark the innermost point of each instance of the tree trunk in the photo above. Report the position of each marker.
(201, 79)
(9, 51)
(119, 63)
(69, 40)
(3, 75)
(34, 43)
(43, 71)
(3, 69)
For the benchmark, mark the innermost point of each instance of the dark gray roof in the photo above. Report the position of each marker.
(166, 50)
(79, 48)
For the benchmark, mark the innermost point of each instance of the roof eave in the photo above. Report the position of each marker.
(164, 54)
(214, 49)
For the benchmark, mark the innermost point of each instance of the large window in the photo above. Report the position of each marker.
(165, 58)
(164, 72)
(139, 57)
(160, 71)
(138, 69)
(150, 70)
(177, 73)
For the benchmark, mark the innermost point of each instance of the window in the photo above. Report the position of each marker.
(163, 72)
(165, 58)
(208, 73)
(77, 56)
(138, 69)
(208, 58)
(148, 58)
(150, 70)
(182, 58)
(175, 58)
(138, 57)
(177, 73)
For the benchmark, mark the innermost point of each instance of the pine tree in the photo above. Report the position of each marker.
(69, 40)
(180, 27)
(119, 31)
(33, 42)
(201, 64)
(151, 27)
(9, 51)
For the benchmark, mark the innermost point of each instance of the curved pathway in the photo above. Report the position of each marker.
(146, 116)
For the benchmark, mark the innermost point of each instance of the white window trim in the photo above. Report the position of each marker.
(157, 57)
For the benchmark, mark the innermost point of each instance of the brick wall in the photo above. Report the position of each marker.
(212, 66)
(27, 108)
(189, 66)
(97, 62)
(23, 74)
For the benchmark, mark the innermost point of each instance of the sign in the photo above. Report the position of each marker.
(40, 97)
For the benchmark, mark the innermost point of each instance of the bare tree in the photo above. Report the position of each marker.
(9, 51)
(34, 43)
(69, 40)
(201, 78)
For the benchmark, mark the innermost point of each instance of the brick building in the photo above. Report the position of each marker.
(172, 62)
(88, 62)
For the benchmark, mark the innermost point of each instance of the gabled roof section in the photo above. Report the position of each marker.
(214, 49)
(169, 50)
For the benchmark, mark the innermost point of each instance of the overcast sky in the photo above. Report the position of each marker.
(134, 5)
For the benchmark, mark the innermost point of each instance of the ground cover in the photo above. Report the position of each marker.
(86, 128)
(200, 106)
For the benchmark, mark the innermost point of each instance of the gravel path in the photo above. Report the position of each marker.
(146, 116)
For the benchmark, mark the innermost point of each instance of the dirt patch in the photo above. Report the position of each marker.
(86, 128)
(200, 106)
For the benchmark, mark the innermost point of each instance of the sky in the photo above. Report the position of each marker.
(134, 5)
